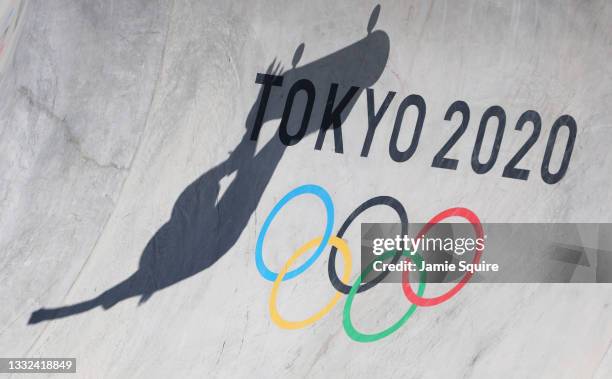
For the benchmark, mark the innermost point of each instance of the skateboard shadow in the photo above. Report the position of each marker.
(203, 226)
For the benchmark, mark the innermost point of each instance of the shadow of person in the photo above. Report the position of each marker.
(203, 226)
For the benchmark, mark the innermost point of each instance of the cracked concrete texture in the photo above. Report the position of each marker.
(68, 134)
(74, 108)
(114, 107)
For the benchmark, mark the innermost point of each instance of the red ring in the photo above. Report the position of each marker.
(428, 302)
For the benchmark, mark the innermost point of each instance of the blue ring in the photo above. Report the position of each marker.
(313, 189)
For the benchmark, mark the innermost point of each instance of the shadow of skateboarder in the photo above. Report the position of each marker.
(203, 226)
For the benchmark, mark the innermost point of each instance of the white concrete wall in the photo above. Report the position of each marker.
(112, 108)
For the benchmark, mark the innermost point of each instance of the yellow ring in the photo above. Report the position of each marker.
(341, 245)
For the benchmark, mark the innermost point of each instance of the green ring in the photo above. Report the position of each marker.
(348, 324)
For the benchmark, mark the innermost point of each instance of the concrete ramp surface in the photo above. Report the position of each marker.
(146, 147)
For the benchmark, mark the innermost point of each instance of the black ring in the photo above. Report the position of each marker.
(331, 267)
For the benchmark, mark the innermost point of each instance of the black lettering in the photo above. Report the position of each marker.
(301, 85)
(332, 116)
(268, 81)
(374, 118)
(401, 156)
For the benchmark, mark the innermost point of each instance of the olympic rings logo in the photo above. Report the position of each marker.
(337, 243)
